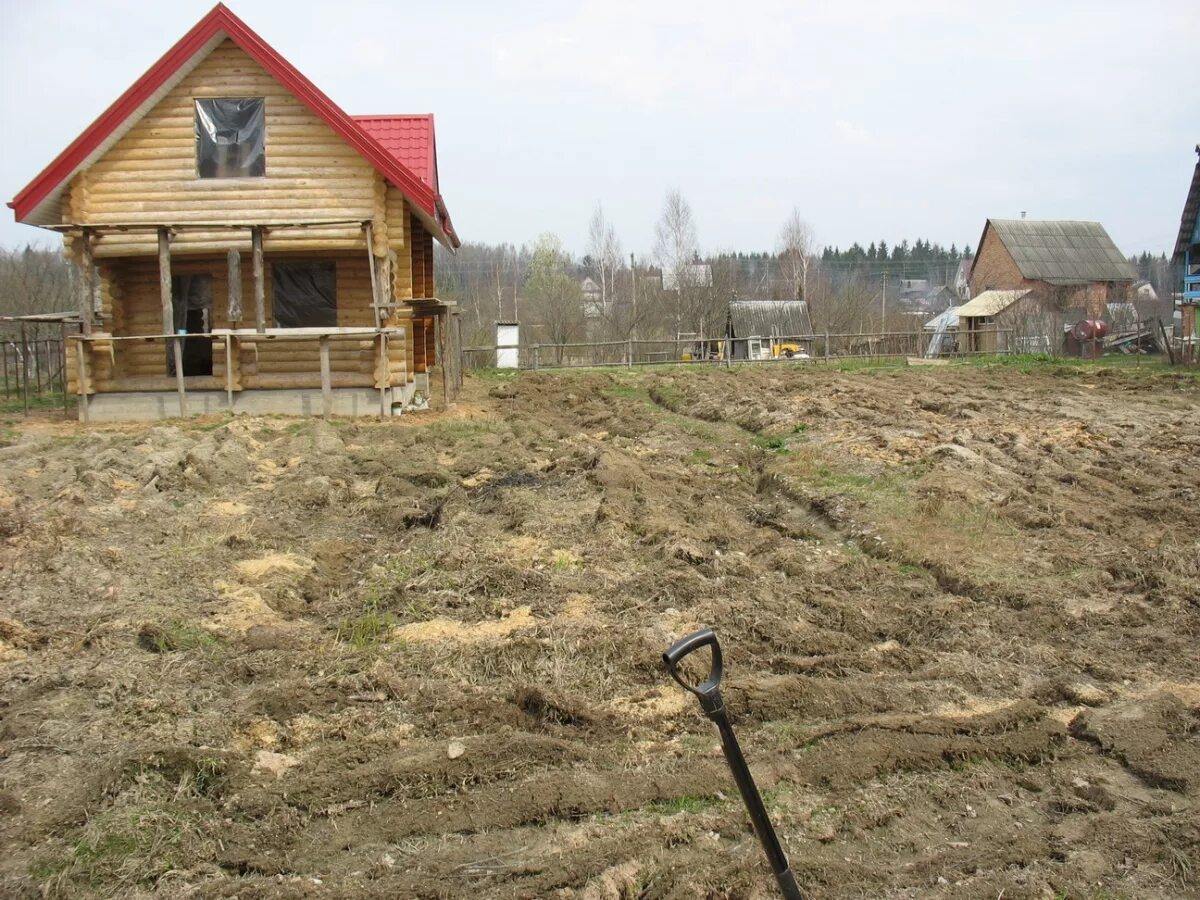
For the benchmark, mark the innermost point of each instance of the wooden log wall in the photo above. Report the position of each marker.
(422, 331)
(399, 243)
(150, 175)
(422, 258)
(139, 312)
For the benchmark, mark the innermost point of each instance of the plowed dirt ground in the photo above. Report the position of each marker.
(421, 658)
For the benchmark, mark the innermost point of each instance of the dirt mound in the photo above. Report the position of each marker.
(422, 657)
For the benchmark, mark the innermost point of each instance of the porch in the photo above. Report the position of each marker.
(324, 331)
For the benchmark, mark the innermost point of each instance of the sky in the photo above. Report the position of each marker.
(873, 119)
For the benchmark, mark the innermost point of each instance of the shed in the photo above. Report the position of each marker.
(765, 329)
(979, 326)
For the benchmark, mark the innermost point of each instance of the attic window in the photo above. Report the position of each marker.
(230, 137)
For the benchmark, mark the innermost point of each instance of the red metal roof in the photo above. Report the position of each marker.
(409, 138)
(221, 22)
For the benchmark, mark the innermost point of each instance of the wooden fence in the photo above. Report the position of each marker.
(781, 349)
(34, 368)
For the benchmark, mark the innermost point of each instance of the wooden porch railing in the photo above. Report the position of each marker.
(378, 355)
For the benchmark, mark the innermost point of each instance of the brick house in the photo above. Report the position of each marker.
(1070, 265)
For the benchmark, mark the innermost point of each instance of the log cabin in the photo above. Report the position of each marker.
(245, 245)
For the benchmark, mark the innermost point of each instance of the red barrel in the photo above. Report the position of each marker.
(1089, 330)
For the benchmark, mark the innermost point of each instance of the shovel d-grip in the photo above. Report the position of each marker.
(709, 694)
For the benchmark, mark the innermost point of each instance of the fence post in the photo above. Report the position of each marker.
(62, 372)
(537, 356)
(24, 369)
(629, 353)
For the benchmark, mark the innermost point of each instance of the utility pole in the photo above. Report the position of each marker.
(633, 285)
(883, 298)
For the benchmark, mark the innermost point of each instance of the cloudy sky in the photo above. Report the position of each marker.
(875, 119)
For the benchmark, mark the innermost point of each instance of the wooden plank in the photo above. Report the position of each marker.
(234, 284)
(177, 345)
(326, 387)
(229, 371)
(164, 280)
(260, 315)
(80, 379)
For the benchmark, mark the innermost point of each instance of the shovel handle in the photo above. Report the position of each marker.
(709, 690)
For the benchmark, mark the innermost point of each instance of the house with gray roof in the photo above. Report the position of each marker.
(765, 329)
(1071, 265)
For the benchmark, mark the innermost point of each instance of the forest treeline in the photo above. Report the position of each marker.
(607, 294)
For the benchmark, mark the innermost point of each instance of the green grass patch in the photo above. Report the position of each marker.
(688, 804)
(772, 442)
(368, 629)
(14, 403)
(827, 477)
(131, 844)
(460, 429)
(699, 457)
(176, 636)
(628, 391)
(209, 426)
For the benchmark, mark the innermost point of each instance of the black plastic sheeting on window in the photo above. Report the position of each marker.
(304, 295)
(230, 138)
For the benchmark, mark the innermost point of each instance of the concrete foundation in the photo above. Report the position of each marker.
(148, 406)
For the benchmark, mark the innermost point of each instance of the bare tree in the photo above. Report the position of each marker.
(677, 250)
(795, 254)
(604, 256)
(36, 280)
(485, 280)
(555, 298)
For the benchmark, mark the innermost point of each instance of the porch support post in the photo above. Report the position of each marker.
(260, 314)
(229, 370)
(439, 340)
(86, 273)
(234, 261)
(326, 379)
(458, 334)
(164, 280)
(177, 349)
(81, 379)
